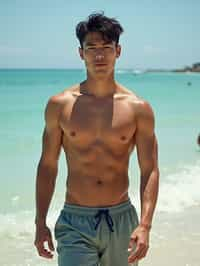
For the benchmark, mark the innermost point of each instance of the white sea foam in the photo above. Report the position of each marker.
(177, 191)
(180, 190)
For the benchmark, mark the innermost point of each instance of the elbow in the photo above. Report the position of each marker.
(149, 177)
(157, 172)
(155, 175)
(155, 179)
(47, 170)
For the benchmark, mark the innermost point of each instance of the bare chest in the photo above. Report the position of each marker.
(101, 124)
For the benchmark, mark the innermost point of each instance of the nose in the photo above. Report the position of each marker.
(99, 56)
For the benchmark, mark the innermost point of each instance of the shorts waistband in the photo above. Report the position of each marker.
(83, 210)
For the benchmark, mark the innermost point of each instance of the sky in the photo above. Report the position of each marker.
(157, 33)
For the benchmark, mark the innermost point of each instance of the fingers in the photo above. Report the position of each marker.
(132, 243)
(43, 235)
(50, 244)
(139, 253)
(42, 251)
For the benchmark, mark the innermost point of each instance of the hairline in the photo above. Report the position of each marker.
(105, 41)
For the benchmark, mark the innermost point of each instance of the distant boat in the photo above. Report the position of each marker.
(188, 72)
(122, 71)
(137, 72)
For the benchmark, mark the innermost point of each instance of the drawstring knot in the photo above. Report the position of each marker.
(98, 217)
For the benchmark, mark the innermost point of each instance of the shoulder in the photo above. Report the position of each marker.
(56, 102)
(144, 116)
(143, 111)
(141, 106)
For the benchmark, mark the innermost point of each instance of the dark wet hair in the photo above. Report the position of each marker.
(110, 28)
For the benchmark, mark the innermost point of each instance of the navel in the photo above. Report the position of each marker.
(123, 138)
(73, 133)
(99, 182)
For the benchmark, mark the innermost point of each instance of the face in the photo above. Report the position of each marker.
(99, 55)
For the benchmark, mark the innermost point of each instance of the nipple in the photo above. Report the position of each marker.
(123, 138)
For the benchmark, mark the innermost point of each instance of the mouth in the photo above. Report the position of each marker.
(100, 64)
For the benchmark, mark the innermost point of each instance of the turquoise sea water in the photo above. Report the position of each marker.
(23, 97)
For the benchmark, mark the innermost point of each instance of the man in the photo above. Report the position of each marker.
(97, 123)
(198, 140)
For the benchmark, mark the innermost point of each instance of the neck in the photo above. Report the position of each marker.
(99, 87)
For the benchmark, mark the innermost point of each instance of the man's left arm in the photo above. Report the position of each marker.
(147, 153)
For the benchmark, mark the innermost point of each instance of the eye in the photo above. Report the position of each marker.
(108, 48)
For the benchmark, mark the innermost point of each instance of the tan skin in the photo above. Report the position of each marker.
(98, 123)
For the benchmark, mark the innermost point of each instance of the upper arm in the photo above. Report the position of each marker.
(52, 135)
(146, 143)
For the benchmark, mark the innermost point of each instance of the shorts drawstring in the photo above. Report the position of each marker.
(108, 218)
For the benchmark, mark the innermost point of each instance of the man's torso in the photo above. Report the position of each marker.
(98, 138)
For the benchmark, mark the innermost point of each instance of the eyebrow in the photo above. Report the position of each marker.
(93, 44)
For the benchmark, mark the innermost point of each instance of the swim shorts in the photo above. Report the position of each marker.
(91, 236)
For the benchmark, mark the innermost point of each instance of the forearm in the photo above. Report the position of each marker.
(45, 184)
(148, 196)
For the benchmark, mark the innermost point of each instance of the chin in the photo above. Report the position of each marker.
(102, 70)
(101, 73)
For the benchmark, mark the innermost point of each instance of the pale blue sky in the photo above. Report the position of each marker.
(41, 34)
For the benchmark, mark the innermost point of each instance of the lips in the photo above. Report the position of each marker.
(100, 64)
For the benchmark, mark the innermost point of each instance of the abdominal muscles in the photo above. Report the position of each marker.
(97, 179)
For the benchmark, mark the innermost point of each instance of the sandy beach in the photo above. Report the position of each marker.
(175, 239)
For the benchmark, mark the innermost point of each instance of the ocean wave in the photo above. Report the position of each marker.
(21, 223)
(180, 190)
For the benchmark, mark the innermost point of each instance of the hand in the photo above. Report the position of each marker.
(42, 235)
(140, 239)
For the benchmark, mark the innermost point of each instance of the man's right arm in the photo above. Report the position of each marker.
(46, 174)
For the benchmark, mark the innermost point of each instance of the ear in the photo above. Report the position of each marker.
(81, 53)
(118, 51)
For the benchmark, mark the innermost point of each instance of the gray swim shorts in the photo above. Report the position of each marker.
(91, 236)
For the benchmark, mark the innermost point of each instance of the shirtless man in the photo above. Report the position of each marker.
(98, 123)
